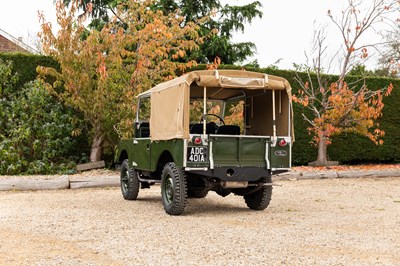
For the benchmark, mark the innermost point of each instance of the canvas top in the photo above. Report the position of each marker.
(170, 100)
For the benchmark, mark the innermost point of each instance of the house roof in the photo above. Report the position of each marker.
(17, 42)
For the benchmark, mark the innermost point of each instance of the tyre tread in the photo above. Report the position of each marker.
(133, 182)
(260, 199)
(178, 205)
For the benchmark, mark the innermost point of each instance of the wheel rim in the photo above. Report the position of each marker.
(168, 190)
(124, 181)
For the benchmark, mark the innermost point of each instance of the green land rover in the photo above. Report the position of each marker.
(226, 131)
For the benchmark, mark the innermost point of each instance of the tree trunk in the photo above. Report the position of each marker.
(322, 149)
(97, 147)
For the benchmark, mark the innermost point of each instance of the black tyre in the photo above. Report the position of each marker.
(173, 189)
(260, 199)
(129, 182)
(197, 193)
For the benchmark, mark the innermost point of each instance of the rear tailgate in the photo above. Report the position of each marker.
(242, 151)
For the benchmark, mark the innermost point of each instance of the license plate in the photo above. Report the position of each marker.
(197, 154)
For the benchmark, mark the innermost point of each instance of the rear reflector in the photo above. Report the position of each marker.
(282, 142)
(197, 140)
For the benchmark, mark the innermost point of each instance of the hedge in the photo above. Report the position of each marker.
(345, 148)
(351, 148)
(25, 65)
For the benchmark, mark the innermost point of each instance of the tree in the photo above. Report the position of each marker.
(337, 106)
(361, 70)
(390, 59)
(101, 74)
(229, 18)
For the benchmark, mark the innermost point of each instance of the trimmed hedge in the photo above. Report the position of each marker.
(351, 148)
(25, 65)
(345, 148)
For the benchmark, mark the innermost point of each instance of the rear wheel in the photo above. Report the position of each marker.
(173, 189)
(260, 199)
(129, 182)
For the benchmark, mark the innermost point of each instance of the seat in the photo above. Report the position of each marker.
(228, 130)
(198, 128)
(142, 130)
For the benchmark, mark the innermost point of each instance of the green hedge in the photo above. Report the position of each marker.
(25, 65)
(351, 148)
(345, 148)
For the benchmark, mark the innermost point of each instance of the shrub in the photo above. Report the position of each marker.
(36, 133)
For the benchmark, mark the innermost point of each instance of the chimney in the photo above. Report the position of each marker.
(20, 39)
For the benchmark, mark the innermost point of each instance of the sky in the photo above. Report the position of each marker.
(284, 33)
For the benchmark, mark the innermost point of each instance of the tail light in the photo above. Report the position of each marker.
(282, 143)
(197, 140)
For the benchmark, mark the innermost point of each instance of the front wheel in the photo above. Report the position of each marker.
(260, 199)
(129, 182)
(173, 189)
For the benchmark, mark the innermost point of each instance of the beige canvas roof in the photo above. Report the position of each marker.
(212, 78)
(170, 100)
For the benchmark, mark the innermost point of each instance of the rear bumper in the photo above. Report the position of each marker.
(249, 174)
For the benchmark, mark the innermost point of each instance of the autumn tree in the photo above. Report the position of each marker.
(102, 72)
(227, 19)
(338, 106)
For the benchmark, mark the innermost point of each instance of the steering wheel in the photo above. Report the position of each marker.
(203, 117)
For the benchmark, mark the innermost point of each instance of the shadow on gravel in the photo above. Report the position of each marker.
(149, 199)
(193, 207)
(206, 206)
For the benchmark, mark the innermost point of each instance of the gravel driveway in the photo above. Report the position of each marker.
(309, 222)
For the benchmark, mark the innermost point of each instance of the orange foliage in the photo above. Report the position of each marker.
(236, 115)
(364, 53)
(215, 64)
(102, 73)
(345, 110)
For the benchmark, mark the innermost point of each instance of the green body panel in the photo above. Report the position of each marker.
(280, 157)
(144, 154)
(223, 151)
(239, 151)
(124, 146)
(174, 147)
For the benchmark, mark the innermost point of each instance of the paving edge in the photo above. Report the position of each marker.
(338, 174)
(62, 182)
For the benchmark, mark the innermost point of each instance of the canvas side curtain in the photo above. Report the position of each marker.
(170, 113)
